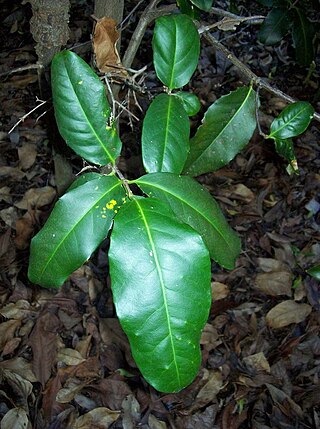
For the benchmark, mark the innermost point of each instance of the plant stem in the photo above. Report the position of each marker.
(246, 72)
(124, 181)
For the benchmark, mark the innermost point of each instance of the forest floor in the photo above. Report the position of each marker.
(65, 362)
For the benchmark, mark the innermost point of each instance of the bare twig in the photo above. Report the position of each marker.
(124, 181)
(29, 113)
(229, 23)
(149, 14)
(256, 20)
(248, 73)
(21, 69)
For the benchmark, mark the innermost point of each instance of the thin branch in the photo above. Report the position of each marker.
(247, 73)
(228, 23)
(124, 181)
(149, 14)
(29, 113)
(255, 20)
(21, 69)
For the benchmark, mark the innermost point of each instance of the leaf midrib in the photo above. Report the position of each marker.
(158, 267)
(65, 237)
(285, 124)
(87, 119)
(167, 121)
(224, 128)
(189, 205)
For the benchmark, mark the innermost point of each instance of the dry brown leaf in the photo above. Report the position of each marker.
(209, 391)
(7, 331)
(242, 193)
(5, 194)
(210, 337)
(27, 155)
(16, 418)
(130, 411)
(257, 361)
(21, 367)
(99, 418)
(70, 356)
(9, 216)
(16, 310)
(70, 390)
(43, 341)
(104, 45)
(37, 197)
(269, 264)
(24, 231)
(287, 312)
(12, 172)
(154, 423)
(274, 283)
(219, 291)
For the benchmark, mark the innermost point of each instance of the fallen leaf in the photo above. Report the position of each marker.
(24, 231)
(99, 418)
(274, 283)
(219, 291)
(9, 216)
(37, 197)
(5, 194)
(104, 45)
(20, 366)
(16, 310)
(12, 172)
(16, 418)
(269, 264)
(70, 390)
(27, 155)
(130, 412)
(70, 356)
(242, 193)
(7, 331)
(287, 312)
(257, 361)
(154, 423)
(208, 393)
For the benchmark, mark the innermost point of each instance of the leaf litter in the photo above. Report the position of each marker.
(65, 362)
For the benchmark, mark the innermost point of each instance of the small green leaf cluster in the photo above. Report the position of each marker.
(161, 240)
(286, 17)
(291, 122)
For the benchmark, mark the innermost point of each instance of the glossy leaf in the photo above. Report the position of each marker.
(84, 178)
(165, 135)
(189, 101)
(314, 272)
(78, 223)
(176, 48)
(275, 26)
(227, 128)
(292, 121)
(188, 8)
(285, 148)
(193, 205)
(160, 278)
(82, 111)
(203, 4)
(303, 33)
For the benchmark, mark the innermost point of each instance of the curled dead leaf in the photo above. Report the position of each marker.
(27, 155)
(287, 312)
(257, 361)
(104, 45)
(36, 197)
(99, 418)
(219, 291)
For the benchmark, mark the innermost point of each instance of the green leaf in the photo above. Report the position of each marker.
(285, 149)
(78, 223)
(314, 272)
(303, 33)
(160, 279)
(82, 110)
(165, 135)
(227, 128)
(203, 4)
(176, 48)
(193, 205)
(189, 101)
(84, 178)
(188, 8)
(292, 121)
(275, 26)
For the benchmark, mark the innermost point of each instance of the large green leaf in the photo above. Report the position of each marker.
(227, 128)
(82, 110)
(165, 135)
(176, 48)
(203, 4)
(303, 33)
(292, 121)
(78, 223)
(275, 26)
(194, 205)
(160, 278)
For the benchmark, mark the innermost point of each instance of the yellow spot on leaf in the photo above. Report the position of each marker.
(104, 216)
(80, 82)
